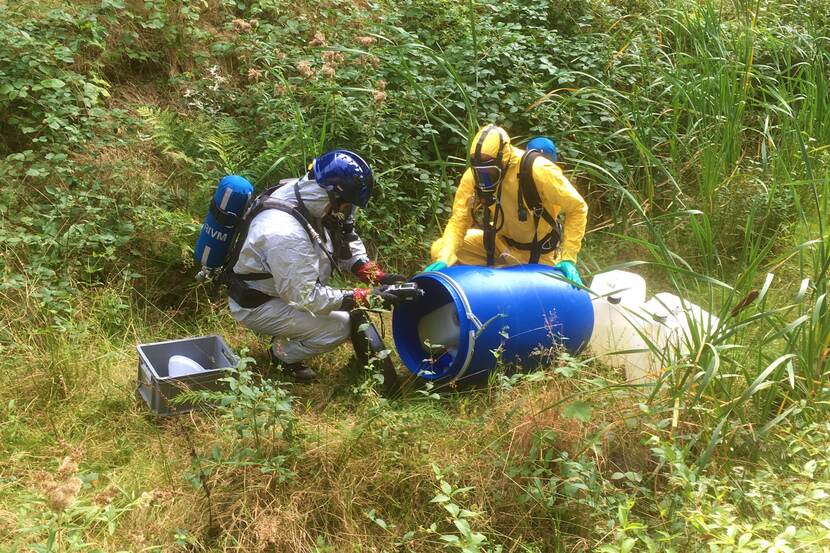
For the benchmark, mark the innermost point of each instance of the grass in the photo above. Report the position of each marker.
(701, 142)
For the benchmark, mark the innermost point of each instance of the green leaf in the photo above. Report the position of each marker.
(579, 410)
(628, 545)
(463, 526)
(52, 83)
(453, 509)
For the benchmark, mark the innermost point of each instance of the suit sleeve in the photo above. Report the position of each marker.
(354, 252)
(460, 221)
(556, 190)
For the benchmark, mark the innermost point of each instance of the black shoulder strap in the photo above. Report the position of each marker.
(257, 206)
(528, 198)
(528, 195)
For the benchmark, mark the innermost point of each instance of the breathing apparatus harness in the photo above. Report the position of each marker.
(488, 179)
(528, 197)
(237, 283)
(488, 193)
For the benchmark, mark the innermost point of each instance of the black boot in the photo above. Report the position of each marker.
(366, 342)
(299, 372)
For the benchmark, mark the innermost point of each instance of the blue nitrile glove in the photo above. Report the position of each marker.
(568, 269)
(437, 266)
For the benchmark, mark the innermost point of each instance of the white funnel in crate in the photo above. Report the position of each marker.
(180, 365)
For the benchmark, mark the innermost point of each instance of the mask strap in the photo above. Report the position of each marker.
(480, 144)
(498, 160)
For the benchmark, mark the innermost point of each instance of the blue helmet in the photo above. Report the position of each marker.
(345, 175)
(544, 145)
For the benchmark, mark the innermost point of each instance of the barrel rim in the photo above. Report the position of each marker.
(473, 325)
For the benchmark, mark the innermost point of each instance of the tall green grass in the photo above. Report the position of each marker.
(726, 115)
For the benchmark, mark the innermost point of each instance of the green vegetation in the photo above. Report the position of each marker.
(699, 132)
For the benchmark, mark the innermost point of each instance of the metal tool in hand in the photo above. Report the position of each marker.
(404, 290)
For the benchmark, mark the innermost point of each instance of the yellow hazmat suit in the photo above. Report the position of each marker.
(461, 243)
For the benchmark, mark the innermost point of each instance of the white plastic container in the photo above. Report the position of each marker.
(180, 365)
(679, 325)
(620, 324)
(440, 330)
(642, 337)
(620, 287)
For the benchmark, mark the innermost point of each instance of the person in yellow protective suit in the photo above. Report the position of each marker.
(489, 195)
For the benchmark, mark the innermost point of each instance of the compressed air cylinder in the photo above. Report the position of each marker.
(224, 214)
(481, 316)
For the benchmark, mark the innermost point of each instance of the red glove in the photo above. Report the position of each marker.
(371, 273)
(361, 296)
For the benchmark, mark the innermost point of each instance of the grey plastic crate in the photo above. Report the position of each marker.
(156, 388)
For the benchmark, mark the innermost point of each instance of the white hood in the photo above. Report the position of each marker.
(314, 197)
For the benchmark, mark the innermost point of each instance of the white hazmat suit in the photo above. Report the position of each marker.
(304, 316)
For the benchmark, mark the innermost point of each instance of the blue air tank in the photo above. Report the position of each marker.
(223, 217)
(469, 315)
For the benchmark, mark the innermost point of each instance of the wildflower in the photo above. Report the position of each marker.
(328, 71)
(380, 96)
(67, 468)
(106, 496)
(147, 499)
(332, 57)
(319, 39)
(241, 26)
(138, 540)
(268, 529)
(305, 69)
(279, 89)
(374, 61)
(217, 79)
(279, 54)
(63, 495)
(254, 74)
(366, 41)
(381, 85)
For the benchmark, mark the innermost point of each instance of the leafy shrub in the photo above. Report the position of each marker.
(258, 416)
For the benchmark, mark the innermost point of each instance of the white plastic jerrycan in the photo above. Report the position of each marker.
(679, 325)
(620, 324)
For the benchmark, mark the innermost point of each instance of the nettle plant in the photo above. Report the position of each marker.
(257, 418)
(461, 536)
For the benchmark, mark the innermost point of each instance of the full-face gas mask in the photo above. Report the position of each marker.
(487, 162)
(339, 222)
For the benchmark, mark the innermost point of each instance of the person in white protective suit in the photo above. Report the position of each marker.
(298, 235)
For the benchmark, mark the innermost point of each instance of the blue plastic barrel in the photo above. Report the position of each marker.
(519, 312)
(223, 217)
